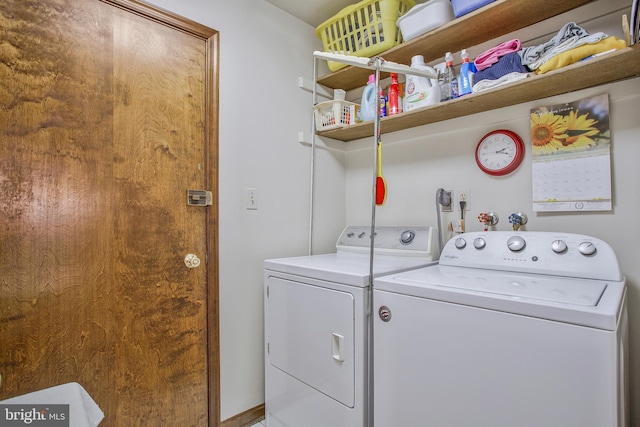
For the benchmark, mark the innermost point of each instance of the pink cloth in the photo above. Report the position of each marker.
(490, 57)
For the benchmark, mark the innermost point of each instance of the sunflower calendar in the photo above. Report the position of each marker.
(571, 156)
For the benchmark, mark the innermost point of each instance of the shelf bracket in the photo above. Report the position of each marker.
(307, 86)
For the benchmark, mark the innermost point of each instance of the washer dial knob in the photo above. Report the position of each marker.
(460, 243)
(516, 243)
(407, 237)
(587, 248)
(479, 243)
(558, 246)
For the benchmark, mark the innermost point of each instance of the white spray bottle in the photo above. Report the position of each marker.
(420, 91)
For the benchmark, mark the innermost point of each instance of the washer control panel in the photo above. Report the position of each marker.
(389, 240)
(560, 254)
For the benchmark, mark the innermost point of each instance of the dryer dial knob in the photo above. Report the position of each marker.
(460, 243)
(516, 243)
(407, 237)
(558, 246)
(479, 243)
(587, 248)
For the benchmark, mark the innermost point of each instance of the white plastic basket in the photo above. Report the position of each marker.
(335, 114)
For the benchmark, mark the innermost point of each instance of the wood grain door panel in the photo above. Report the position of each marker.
(104, 119)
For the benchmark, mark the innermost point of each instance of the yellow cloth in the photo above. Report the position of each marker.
(576, 54)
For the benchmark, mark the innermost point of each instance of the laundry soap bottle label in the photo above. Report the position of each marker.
(419, 94)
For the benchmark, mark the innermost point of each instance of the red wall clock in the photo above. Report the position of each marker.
(499, 152)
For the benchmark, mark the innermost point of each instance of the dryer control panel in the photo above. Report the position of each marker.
(559, 254)
(405, 241)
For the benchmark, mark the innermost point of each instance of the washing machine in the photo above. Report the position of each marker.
(318, 320)
(509, 329)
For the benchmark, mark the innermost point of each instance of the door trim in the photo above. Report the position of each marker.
(211, 125)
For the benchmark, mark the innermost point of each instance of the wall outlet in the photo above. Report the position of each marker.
(463, 196)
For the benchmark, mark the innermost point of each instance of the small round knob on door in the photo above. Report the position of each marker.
(191, 261)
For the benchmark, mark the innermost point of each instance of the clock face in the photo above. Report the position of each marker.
(499, 152)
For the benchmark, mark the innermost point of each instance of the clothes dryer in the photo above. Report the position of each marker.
(509, 329)
(317, 323)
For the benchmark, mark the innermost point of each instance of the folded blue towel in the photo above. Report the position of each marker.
(510, 63)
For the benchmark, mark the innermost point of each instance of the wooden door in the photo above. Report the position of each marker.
(107, 118)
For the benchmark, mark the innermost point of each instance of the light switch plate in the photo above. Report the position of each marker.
(251, 200)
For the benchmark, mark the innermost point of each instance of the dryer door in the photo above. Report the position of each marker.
(310, 333)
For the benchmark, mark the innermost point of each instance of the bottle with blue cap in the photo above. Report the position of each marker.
(467, 72)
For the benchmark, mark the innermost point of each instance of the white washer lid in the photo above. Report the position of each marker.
(545, 288)
(346, 268)
(585, 302)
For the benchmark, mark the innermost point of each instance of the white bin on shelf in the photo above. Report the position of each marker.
(335, 114)
(425, 17)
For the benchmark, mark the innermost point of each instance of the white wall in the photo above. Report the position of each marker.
(262, 53)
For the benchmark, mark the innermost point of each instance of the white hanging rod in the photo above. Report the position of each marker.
(370, 63)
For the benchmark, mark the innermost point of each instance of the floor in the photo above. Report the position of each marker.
(260, 424)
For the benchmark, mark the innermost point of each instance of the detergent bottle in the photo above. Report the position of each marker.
(369, 101)
(467, 71)
(420, 91)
